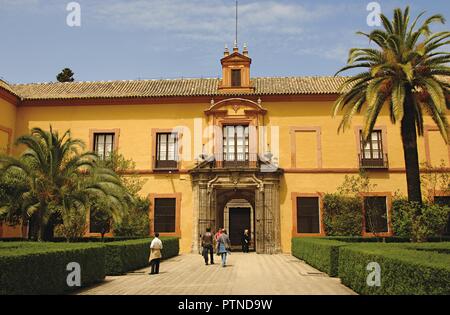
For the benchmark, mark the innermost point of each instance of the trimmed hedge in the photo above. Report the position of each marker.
(320, 253)
(403, 269)
(406, 268)
(40, 268)
(28, 268)
(171, 247)
(125, 256)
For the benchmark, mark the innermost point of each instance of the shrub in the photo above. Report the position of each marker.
(73, 226)
(342, 215)
(171, 247)
(403, 270)
(402, 217)
(417, 222)
(135, 223)
(40, 268)
(431, 222)
(320, 253)
(125, 256)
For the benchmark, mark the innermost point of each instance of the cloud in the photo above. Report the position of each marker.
(208, 20)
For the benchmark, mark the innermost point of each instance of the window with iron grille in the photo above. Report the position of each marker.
(236, 77)
(444, 201)
(235, 144)
(308, 217)
(166, 150)
(104, 144)
(165, 215)
(99, 222)
(372, 154)
(375, 208)
(373, 148)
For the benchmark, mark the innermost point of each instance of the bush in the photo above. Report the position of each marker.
(404, 270)
(40, 268)
(320, 253)
(418, 223)
(342, 215)
(171, 247)
(135, 222)
(402, 217)
(125, 256)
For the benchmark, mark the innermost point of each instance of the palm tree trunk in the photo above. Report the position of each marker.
(409, 139)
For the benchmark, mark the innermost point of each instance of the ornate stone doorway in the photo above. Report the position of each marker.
(214, 188)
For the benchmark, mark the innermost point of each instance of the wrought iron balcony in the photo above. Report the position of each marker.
(365, 163)
(237, 160)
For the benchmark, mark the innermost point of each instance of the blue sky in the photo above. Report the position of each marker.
(151, 39)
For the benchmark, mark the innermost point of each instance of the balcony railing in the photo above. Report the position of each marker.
(165, 164)
(232, 160)
(365, 163)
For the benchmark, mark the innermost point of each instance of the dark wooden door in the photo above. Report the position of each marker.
(239, 221)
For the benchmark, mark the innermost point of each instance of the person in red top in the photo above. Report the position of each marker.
(219, 232)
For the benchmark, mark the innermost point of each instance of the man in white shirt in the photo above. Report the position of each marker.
(155, 254)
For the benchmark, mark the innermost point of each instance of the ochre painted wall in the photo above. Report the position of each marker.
(332, 155)
(7, 124)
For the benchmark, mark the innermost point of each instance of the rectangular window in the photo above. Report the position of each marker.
(235, 145)
(104, 144)
(372, 154)
(444, 201)
(236, 77)
(165, 215)
(166, 150)
(308, 217)
(375, 209)
(98, 222)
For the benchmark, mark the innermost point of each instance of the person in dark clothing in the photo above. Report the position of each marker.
(245, 241)
(208, 246)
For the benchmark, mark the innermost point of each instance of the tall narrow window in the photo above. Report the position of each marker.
(372, 154)
(236, 77)
(308, 218)
(165, 215)
(166, 150)
(236, 144)
(375, 209)
(104, 144)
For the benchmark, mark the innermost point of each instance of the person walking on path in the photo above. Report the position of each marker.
(207, 244)
(245, 241)
(155, 254)
(218, 233)
(223, 246)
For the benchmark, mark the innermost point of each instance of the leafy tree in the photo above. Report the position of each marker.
(66, 75)
(57, 180)
(405, 73)
(135, 222)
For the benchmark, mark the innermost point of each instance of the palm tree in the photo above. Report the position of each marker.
(405, 73)
(59, 178)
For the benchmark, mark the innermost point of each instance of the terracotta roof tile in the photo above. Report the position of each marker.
(7, 87)
(178, 87)
(168, 88)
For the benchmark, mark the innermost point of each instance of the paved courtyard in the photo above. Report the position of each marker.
(246, 274)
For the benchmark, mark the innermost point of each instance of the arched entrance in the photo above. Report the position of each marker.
(239, 215)
(215, 188)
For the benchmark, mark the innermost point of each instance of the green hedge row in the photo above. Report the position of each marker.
(42, 269)
(406, 268)
(320, 253)
(403, 271)
(124, 256)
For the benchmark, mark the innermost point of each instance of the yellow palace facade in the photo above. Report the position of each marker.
(235, 152)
